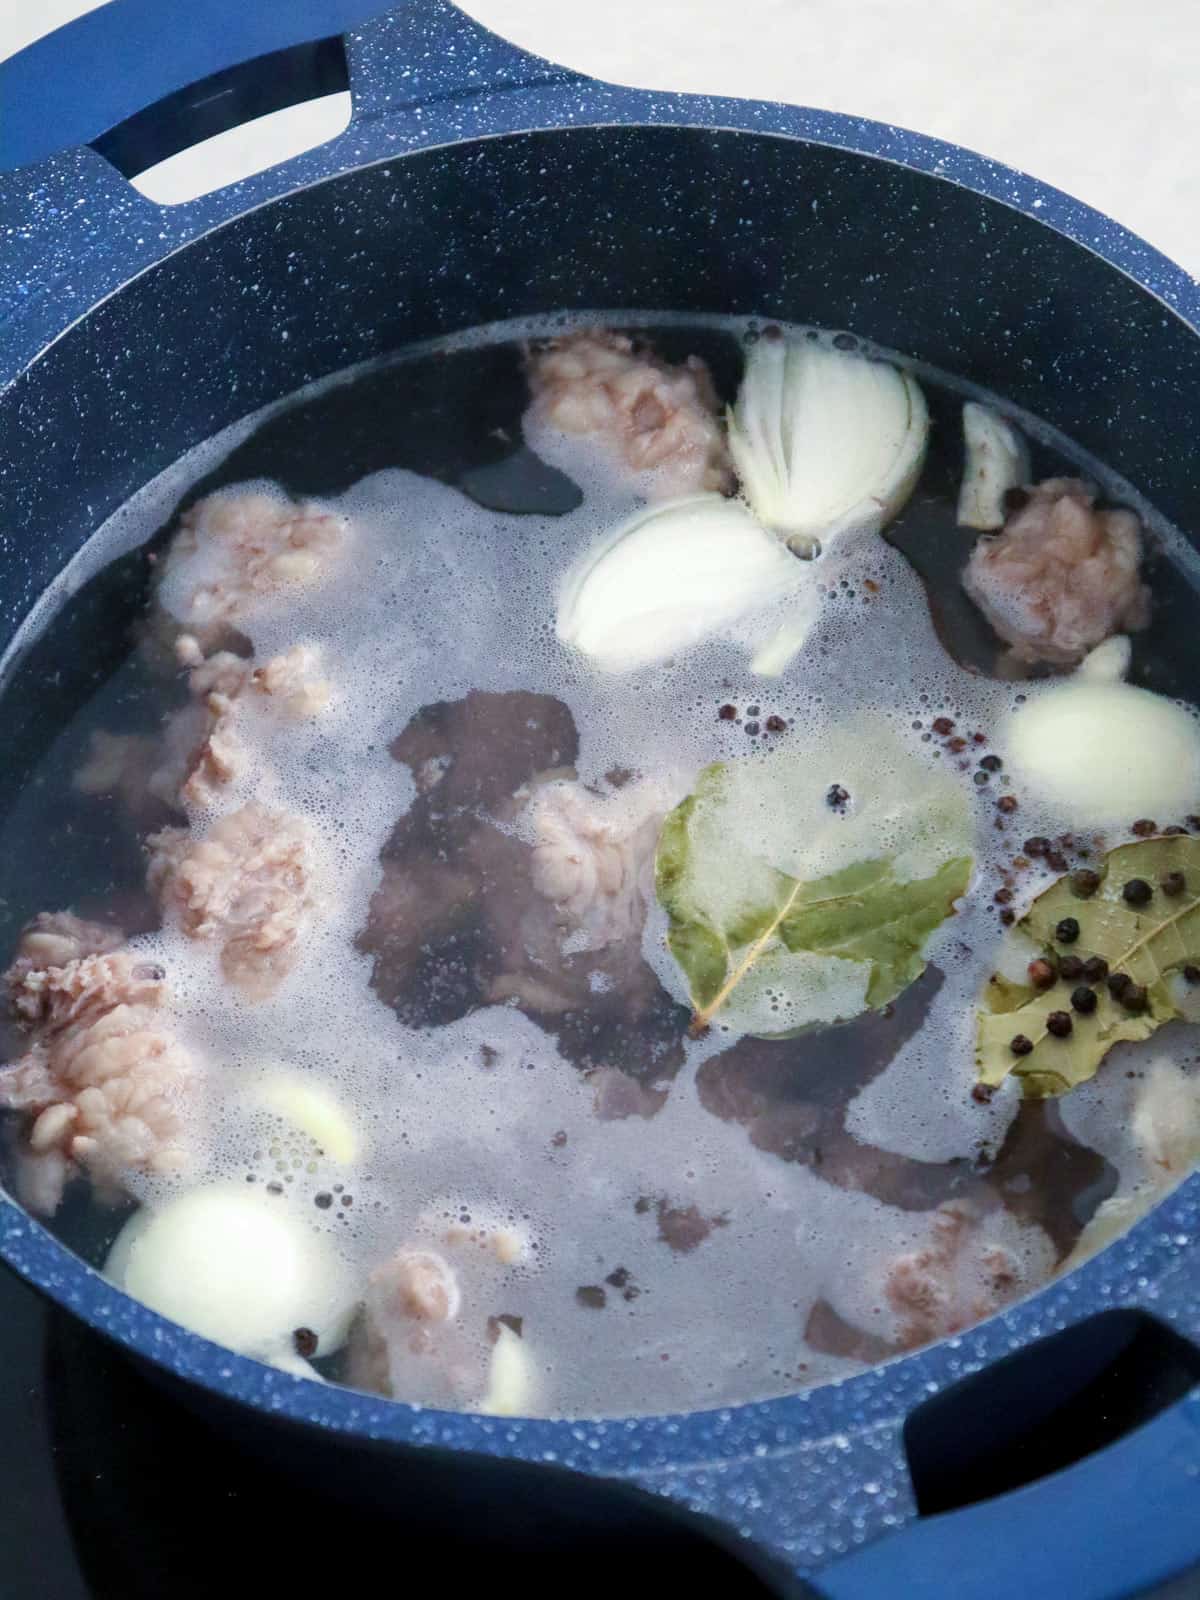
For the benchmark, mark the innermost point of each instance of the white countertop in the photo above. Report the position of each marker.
(1101, 97)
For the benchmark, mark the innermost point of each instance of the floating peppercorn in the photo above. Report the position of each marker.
(1020, 1045)
(727, 713)
(1173, 831)
(1015, 499)
(1173, 884)
(1083, 1000)
(1008, 916)
(1144, 827)
(1191, 974)
(305, 1342)
(775, 724)
(1134, 998)
(991, 763)
(1137, 892)
(837, 798)
(1095, 969)
(1118, 983)
(1056, 861)
(1041, 974)
(1085, 882)
(1070, 968)
(1066, 931)
(1059, 1024)
(1002, 896)
(943, 725)
(1007, 803)
(1037, 846)
(982, 1093)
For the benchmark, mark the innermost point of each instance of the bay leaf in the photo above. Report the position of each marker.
(1149, 943)
(772, 953)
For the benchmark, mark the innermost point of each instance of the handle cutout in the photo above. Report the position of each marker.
(1043, 1408)
(234, 123)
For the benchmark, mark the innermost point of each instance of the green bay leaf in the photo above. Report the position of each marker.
(1149, 943)
(772, 953)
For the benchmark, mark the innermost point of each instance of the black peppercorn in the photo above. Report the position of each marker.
(1066, 931)
(991, 763)
(727, 713)
(1085, 882)
(1008, 916)
(1007, 803)
(1059, 1024)
(1041, 973)
(775, 724)
(1095, 969)
(1173, 831)
(1134, 998)
(1173, 884)
(1083, 1000)
(1016, 498)
(305, 1342)
(837, 798)
(1191, 974)
(1118, 983)
(1056, 861)
(1144, 827)
(1071, 969)
(982, 1093)
(943, 725)
(1020, 1045)
(1137, 892)
(1037, 845)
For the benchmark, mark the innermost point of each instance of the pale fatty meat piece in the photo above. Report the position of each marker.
(246, 884)
(1061, 577)
(236, 551)
(654, 416)
(593, 856)
(956, 1280)
(103, 1080)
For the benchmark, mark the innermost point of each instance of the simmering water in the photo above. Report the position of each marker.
(686, 1221)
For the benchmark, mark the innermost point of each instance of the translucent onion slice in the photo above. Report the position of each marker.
(826, 442)
(997, 460)
(673, 575)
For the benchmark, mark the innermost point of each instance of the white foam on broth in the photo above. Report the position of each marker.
(437, 597)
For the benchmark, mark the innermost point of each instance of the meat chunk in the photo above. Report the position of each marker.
(103, 1080)
(236, 551)
(654, 417)
(246, 884)
(203, 747)
(956, 1280)
(1062, 577)
(407, 1341)
(416, 1285)
(593, 856)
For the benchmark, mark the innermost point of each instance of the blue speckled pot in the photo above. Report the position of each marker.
(476, 182)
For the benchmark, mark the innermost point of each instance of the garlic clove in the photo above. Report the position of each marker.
(997, 460)
(672, 576)
(1108, 662)
(826, 442)
(511, 1379)
(311, 1109)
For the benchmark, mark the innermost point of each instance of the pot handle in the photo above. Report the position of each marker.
(140, 81)
(1111, 1527)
